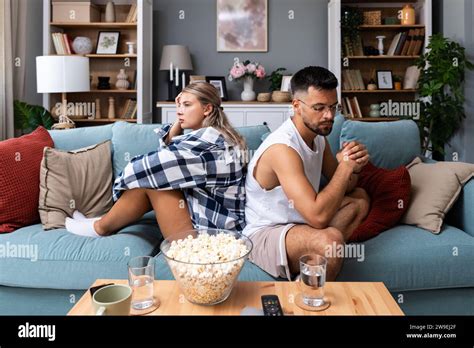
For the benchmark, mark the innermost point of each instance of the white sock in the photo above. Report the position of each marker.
(78, 215)
(82, 227)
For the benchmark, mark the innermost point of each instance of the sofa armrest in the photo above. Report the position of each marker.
(462, 213)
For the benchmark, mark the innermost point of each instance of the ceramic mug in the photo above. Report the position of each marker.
(112, 300)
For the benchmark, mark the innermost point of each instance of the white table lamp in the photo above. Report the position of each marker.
(62, 74)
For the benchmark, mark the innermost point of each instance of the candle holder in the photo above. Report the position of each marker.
(380, 45)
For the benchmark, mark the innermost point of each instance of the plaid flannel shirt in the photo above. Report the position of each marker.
(201, 164)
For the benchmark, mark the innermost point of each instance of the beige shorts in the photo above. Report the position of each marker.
(269, 250)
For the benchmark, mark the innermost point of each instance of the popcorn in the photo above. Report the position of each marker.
(212, 263)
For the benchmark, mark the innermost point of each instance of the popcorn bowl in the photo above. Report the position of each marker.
(206, 262)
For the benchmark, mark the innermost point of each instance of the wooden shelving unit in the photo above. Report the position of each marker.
(116, 25)
(109, 65)
(380, 91)
(367, 65)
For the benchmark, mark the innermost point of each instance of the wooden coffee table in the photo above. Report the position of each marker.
(347, 298)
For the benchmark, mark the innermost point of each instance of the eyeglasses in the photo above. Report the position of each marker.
(322, 109)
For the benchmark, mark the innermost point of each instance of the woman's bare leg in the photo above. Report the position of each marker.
(130, 207)
(170, 207)
(172, 212)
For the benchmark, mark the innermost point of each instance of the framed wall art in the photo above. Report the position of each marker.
(242, 25)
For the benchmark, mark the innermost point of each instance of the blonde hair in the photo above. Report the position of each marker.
(208, 94)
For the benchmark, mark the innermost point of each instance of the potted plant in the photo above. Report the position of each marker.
(29, 117)
(441, 92)
(351, 19)
(275, 79)
(397, 79)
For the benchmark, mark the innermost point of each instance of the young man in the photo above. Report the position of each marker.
(286, 216)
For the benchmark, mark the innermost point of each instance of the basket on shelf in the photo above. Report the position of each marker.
(281, 96)
(372, 17)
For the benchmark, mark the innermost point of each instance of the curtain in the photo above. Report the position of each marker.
(13, 16)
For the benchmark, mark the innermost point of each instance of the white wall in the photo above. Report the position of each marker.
(458, 25)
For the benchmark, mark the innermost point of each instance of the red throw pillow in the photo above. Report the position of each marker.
(389, 192)
(20, 160)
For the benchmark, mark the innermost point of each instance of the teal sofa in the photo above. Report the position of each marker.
(416, 266)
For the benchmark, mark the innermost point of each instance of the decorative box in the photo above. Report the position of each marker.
(75, 12)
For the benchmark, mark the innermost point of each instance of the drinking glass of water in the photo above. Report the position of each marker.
(312, 280)
(141, 274)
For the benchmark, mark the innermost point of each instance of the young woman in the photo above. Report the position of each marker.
(193, 180)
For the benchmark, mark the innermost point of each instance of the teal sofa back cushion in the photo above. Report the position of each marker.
(390, 144)
(76, 138)
(130, 140)
(333, 137)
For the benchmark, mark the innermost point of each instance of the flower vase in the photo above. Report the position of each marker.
(248, 94)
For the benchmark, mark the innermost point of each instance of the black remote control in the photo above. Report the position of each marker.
(271, 306)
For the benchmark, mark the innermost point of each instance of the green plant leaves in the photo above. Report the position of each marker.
(275, 79)
(441, 79)
(29, 117)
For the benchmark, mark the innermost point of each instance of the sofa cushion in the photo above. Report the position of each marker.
(75, 180)
(76, 138)
(253, 135)
(58, 259)
(126, 146)
(390, 144)
(20, 160)
(333, 137)
(130, 140)
(435, 186)
(407, 258)
(389, 192)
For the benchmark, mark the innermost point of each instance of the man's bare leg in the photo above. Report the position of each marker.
(170, 207)
(353, 211)
(303, 239)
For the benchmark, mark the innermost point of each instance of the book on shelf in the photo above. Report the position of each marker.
(394, 44)
(62, 43)
(357, 107)
(132, 14)
(401, 43)
(349, 107)
(345, 110)
(133, 83)
(129, 108)
(352, 80)
(413, 43)
(134, 113)
(419, 43)
(408, 40)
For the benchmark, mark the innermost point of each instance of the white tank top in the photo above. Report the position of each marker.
(272, 207)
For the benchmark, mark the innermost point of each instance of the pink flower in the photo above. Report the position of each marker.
(237, 71)
(260, 72)
(251, 68)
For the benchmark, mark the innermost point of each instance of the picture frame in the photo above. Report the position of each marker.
(197, 78)
(107, 42)
(242, 26)
(286, 83)
(384, 79)
(219, 83)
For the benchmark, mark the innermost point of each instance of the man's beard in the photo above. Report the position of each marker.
(317, 130)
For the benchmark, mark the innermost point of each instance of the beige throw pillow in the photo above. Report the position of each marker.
(435, 187)
(75, 180)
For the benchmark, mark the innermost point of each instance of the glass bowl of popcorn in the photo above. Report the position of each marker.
(206, 262)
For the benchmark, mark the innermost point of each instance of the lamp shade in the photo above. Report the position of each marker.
(176, 54)
(62, 74)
